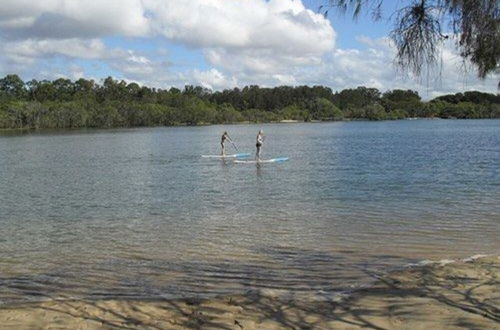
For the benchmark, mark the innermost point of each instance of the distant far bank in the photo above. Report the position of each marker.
(63, 103)
(345, 120)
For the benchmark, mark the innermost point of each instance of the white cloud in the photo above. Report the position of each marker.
(72, 18)
(213, 79)
(31, 49)
(374, 66)
(248, 35)
(73, 72)
(282, 25)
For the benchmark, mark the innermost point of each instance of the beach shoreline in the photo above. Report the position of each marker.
(437, 295)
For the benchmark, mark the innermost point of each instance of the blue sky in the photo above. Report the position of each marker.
(214, 43)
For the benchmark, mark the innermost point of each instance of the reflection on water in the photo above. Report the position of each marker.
(138, 213)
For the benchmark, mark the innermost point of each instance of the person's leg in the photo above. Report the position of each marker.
(223, 153)
(258, 152)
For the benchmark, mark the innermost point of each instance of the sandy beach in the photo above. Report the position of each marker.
(457, 295)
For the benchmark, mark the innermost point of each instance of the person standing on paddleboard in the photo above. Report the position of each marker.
(258, 144)
(225, 137)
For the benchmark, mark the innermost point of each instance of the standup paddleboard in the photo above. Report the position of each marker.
(240, 155)
(273, 160)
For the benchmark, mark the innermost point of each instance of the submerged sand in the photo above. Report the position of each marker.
(459, 295)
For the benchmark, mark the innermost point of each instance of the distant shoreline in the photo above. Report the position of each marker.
(436, 295)
(32, 129)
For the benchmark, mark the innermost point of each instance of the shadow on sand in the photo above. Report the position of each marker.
(464, 299)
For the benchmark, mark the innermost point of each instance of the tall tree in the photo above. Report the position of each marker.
(13, 86)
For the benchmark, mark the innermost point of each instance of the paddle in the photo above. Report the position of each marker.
(234, 145)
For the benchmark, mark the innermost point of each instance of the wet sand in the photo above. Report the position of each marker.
(458, 295)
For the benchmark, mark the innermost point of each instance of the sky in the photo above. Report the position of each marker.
(217, 44)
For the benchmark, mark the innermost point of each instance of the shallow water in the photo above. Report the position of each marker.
(138, 213)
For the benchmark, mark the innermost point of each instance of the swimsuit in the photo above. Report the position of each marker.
(259, 143)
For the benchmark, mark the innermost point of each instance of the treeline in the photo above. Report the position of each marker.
(63, 103)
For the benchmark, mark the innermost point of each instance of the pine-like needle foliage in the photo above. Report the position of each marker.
(421, 25)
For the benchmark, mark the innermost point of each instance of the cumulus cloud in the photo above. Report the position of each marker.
(72, 19)
(283, 25)
(213, 79)
(373, 66)
(248, 36)
(27, 51)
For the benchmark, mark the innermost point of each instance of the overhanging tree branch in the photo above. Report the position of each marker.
(418, 30)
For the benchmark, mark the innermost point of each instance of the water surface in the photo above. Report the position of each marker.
(137, 213)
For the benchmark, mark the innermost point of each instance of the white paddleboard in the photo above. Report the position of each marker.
(240, 155)
(273, 160)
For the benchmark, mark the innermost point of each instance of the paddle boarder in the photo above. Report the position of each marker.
(258, 144)
(225, 137)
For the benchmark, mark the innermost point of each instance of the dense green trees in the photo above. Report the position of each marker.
(63, 103)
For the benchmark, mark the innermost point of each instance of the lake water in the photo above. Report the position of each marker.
(137, 213)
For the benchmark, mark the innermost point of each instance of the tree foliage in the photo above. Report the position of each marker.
(63, 103)
(419, 26)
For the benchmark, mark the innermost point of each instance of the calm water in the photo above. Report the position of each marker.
(138, 213)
